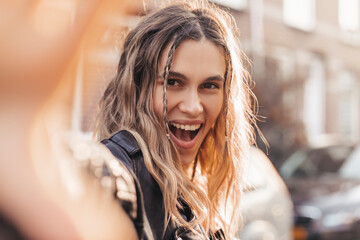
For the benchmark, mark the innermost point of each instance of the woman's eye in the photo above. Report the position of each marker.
(211, 85)
(172, 82)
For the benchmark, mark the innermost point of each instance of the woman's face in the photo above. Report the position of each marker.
(195, 93)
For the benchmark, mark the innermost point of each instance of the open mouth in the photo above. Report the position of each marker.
(184, 132)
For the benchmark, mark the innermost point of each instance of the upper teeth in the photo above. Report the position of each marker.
(186, 127)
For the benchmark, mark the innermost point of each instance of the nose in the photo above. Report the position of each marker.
(191, 103)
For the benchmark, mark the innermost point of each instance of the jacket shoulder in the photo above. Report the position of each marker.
(124, 147)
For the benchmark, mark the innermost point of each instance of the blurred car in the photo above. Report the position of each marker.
(324, 184)
(267, 209)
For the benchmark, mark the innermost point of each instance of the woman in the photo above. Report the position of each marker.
(178, 115)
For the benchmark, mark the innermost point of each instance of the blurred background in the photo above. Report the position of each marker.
(304, 60)
(305, 63)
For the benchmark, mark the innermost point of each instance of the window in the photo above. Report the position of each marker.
(299, 14)
(314, 100)
(349, 15)
(348, 104)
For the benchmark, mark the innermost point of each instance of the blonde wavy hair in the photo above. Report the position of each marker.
(128, 104)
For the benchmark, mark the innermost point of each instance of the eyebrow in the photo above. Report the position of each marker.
(211, 78)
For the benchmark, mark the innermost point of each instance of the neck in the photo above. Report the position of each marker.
(190, 168)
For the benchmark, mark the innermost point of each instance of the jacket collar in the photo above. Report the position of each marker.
(127, 141)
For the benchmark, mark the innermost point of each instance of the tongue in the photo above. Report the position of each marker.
(183, 135)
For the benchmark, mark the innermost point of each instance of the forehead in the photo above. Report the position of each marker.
(195, 58)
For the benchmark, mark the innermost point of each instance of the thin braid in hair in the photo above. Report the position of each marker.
(178, 38)
(228, 72)
(165, 77)
(194, 167)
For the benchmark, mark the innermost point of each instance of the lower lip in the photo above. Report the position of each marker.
(184, 144)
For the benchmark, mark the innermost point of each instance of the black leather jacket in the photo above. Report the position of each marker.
(150, 200)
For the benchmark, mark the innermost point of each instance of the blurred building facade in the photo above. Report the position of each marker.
(97, 61)
(304, 60)
(305, 64)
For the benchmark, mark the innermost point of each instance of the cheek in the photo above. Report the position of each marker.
(218, 111)
(219, 105)
(214, 107)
